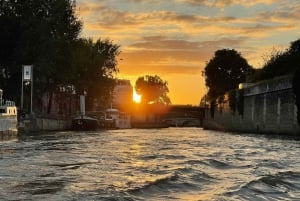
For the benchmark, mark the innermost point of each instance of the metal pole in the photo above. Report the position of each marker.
(22, 94)
(31, 83)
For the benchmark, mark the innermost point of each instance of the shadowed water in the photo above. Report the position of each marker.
(154, 164)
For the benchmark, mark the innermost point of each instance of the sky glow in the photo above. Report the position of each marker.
(174, 39)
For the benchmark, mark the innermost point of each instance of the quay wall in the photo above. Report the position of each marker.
(36, 123)
(268, 107)
(47, 124)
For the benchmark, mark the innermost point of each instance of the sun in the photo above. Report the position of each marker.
(136, 97)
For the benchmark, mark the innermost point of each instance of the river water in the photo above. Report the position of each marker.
(152, 164)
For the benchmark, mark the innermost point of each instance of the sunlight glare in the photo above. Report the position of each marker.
(136, 97)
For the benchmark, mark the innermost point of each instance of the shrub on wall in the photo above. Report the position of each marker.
(240, 102)
(236, 101)
(232, 100)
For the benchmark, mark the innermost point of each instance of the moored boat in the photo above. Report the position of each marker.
(116, 119)
(84, 122)
(8, 118)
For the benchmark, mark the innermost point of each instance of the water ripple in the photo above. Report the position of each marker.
(284, 185)
(153, 164)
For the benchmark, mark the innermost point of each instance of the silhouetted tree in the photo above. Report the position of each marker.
(203, 101)
(38, 32)
(93, 67)
(225, 71)
(45, 33)
(280, 63)
(153, 89)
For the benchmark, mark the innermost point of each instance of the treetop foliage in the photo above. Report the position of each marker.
(153, 89)
(228, 68)
(279, 63)
(93, 67)
(225, 71)
(38, 32)
(46, 34)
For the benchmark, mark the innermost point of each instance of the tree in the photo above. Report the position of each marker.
(93, 68)
(38, 32)
(278, 63)
(152, 89)
(225, 71)
(45, 33)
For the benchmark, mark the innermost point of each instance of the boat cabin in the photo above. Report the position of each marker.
(7, 107)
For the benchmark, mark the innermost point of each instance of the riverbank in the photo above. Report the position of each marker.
(33, 123)
(265, 107)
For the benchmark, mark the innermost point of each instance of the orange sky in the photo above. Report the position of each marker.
(175, 38)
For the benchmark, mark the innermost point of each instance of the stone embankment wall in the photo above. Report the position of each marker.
(268, 107)
(33, 123)
(47, 124)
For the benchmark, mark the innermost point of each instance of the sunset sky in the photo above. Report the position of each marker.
(175, 38)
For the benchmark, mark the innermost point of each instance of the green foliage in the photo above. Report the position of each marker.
(232, 100)
(279, 63)
(45, 33)
(153, 89)
(204, 101)
(236, 101)
(93, 66)
(225, 71)
(38, 32)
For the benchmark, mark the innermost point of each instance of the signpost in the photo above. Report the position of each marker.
(27, 76)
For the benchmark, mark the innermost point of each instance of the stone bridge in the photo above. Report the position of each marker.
(184, 116)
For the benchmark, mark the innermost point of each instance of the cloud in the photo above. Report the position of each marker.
(87, 8)
(172, 56)
(186, 36)
(226, 3)
(113, 21)
(123, 25)
(102, 16)
(177, 37)
(284, 14)
(170, 62)
(163, 43)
